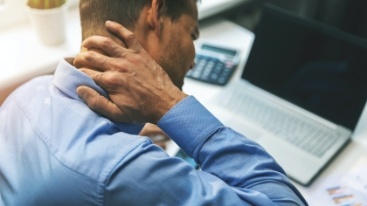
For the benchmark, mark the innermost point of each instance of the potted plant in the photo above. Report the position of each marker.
(48, 17)
(45, 4)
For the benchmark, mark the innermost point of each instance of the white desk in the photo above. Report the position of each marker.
(237, 37)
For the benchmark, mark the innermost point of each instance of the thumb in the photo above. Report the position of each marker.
(101, 104)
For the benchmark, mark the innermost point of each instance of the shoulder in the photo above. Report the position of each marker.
(93, 146)
(31, 86)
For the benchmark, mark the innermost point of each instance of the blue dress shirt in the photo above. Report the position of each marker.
(55, 151)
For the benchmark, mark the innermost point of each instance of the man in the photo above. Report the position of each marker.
(55, 151)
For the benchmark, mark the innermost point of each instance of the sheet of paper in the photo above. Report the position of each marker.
(350, 189)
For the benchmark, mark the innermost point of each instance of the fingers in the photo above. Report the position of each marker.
(91, 59)
(104, 44)
(100, 104)
(126, 35)
(109, 81)
(97, 61)
(109, 46)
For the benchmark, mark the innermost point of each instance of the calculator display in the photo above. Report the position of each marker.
(231, 53)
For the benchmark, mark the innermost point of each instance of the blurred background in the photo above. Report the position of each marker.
(347, 15)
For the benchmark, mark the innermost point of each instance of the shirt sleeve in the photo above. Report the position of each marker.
(234, 169)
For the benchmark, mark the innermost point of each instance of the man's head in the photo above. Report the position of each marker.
(165, 28)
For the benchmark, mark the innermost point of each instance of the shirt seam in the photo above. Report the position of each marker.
(116, 165)
(41, 137)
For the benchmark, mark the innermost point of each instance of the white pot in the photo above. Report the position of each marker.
(50, 24)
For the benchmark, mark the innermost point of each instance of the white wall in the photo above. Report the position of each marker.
(13, 12)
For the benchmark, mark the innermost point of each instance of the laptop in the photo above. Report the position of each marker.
(301, 93)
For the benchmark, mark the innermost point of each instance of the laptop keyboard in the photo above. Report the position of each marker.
(307, 136)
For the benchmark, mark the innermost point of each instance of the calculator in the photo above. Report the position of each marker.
(214, 64)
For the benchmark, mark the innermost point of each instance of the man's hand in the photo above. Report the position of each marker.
(139, 89)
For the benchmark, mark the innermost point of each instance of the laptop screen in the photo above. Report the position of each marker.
(314, 66)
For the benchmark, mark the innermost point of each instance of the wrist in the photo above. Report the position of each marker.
(168, 101)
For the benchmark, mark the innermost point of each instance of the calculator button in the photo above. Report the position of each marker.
(207, 70)
(205, 78)
(219, 67)
(202, 62)
(227, 71)
(222, 80)
(196, 74)
(211, 70)
(214, 77)
(210, 64)
(229, 64)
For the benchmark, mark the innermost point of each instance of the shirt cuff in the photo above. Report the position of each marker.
(189, 124)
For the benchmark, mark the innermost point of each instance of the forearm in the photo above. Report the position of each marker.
(222, 152)
(235, 171)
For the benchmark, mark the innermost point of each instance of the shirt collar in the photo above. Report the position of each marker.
(68, 78)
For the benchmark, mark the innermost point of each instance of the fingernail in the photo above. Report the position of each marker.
(82, 93)
(108, 23)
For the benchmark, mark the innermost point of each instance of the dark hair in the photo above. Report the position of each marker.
(176, 8)
(94, 13)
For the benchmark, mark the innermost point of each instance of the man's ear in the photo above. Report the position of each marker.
(155, 17)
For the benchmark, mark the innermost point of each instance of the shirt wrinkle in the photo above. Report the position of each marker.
(42, 137)
(99, 171)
